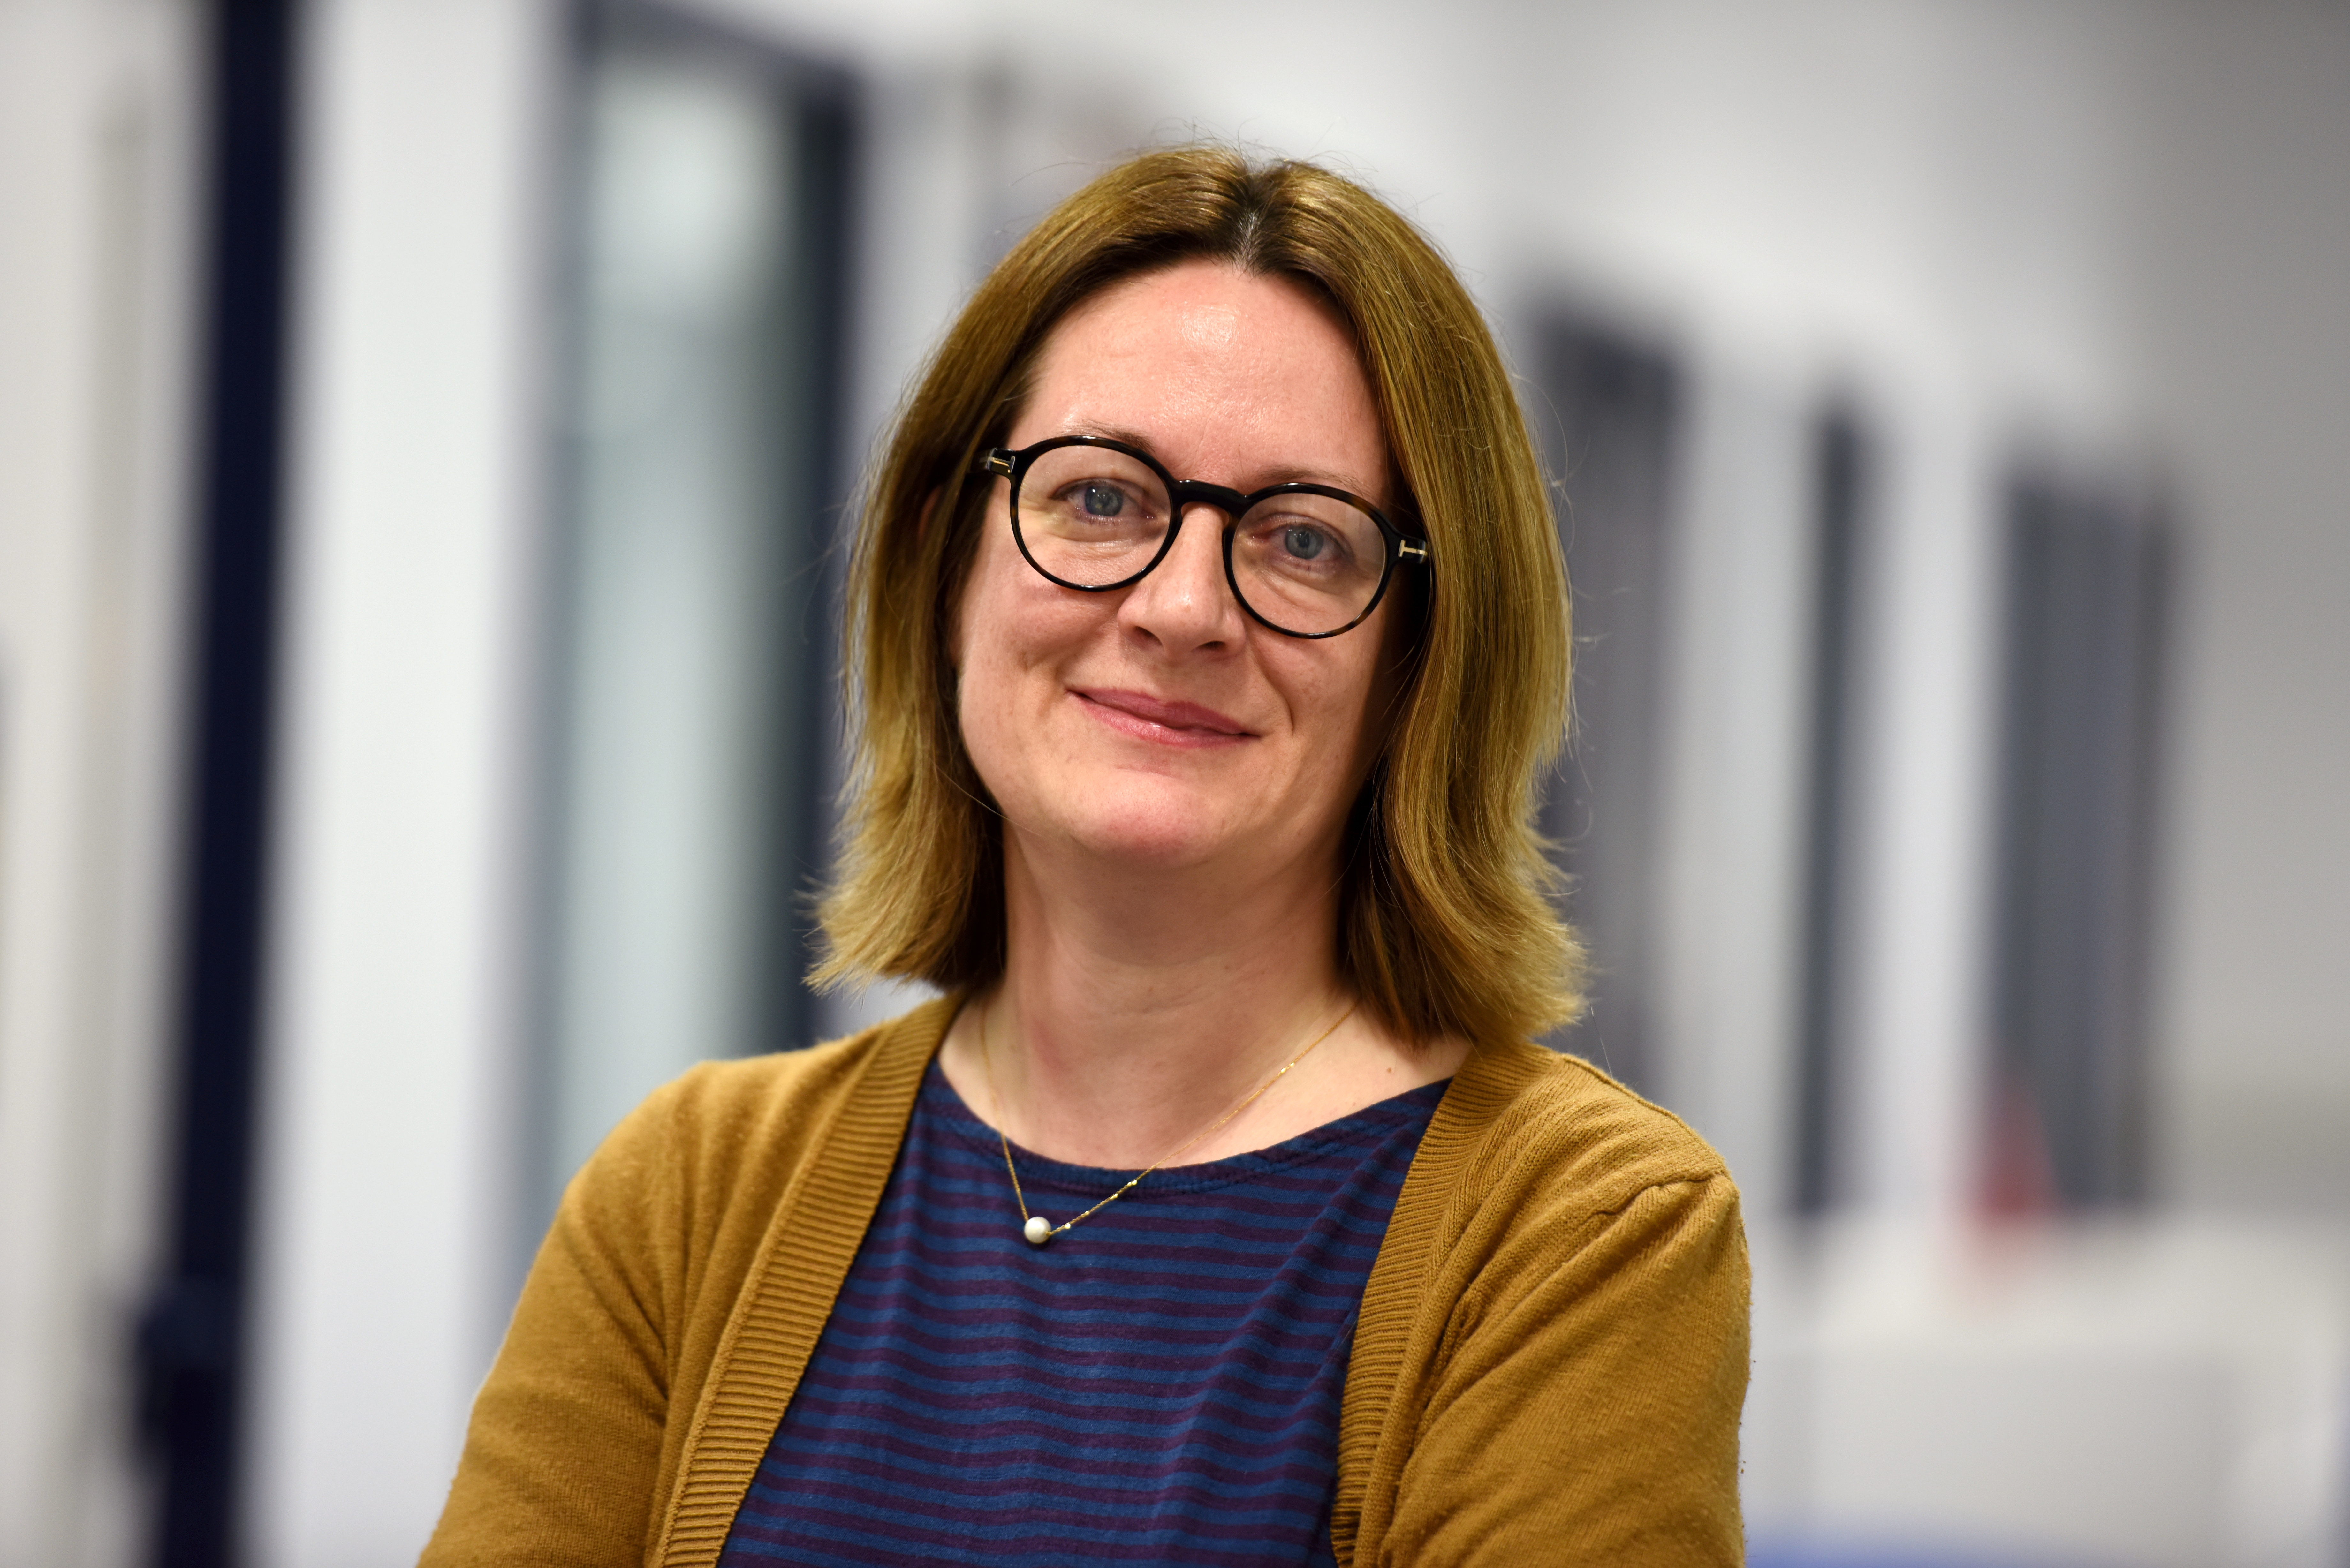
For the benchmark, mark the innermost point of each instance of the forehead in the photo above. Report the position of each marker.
(1237, 376)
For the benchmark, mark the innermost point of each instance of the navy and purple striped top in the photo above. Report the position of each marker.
(1161, 1384)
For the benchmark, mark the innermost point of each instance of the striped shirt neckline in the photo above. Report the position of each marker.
(1160, 1384)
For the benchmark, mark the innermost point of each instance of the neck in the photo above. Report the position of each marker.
(1136, 1009)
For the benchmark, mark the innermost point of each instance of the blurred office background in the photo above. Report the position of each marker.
(424, 429)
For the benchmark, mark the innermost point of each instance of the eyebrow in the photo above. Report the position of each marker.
(1352, 483)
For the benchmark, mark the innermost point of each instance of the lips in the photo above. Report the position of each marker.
(1157, 718)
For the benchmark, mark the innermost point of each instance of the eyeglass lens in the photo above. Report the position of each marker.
(1093, 517)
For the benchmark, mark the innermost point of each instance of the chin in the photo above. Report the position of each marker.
(1160, 829)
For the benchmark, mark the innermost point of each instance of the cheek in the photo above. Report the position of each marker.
(987, 698)
(1341, 715)
(1370, 678)
(1010, 632)
(985, 605)
(1010, 619)
(970, 609)
(980, 658)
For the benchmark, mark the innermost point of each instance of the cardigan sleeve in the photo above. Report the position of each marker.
(562, 1455)
(1585, 1408)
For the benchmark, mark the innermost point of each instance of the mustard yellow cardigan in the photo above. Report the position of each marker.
(1547, 1368)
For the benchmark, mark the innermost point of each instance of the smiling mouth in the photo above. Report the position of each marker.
(1154, 718)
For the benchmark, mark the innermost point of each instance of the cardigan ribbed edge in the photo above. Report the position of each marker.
(1392, 1295)
(797, 1276)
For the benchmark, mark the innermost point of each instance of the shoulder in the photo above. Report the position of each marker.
(1552, 1352)
(1541, 1181)
(1555, 1128)
(718, 1097)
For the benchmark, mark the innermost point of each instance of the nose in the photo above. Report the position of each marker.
(1184, 605)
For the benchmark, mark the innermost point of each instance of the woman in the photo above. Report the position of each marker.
(1213, 635)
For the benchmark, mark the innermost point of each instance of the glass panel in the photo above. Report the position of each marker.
(692, 639)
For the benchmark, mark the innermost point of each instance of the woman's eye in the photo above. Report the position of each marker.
(1101, 500)
(1304, 543)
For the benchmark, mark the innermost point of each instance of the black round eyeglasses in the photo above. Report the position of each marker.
(1304, 560)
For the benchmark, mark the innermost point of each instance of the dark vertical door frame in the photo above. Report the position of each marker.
(192, 1341)
(1839, 512)
(1612, 447)
(2088, 574)
(830, 151)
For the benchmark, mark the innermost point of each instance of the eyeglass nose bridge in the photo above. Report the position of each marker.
(1182, 495)
(1189, 492)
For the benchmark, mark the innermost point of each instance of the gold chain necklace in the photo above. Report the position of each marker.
(1039, 1230)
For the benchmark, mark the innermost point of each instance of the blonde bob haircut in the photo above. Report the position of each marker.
(1445, 925)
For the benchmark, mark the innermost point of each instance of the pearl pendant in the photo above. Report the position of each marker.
(1038, 1230)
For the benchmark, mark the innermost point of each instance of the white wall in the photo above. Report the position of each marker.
(2243, 235)
(95, 283)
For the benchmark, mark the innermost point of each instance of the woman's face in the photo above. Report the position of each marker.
(1158, 725)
